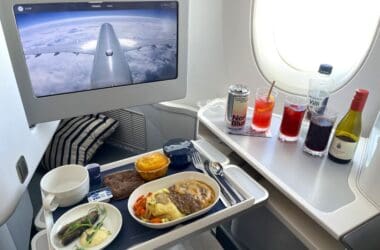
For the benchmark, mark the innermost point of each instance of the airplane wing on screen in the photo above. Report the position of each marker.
(89, 47)
(85, 48)
(131, 44)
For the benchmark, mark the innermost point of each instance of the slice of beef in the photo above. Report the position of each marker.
(185, 202)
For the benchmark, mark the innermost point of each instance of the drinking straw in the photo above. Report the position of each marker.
(270, 90)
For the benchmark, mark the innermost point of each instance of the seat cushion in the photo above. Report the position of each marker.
(77, 139)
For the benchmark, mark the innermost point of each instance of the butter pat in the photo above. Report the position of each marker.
(103, 195)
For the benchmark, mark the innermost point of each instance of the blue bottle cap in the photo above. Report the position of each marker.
(325, 69)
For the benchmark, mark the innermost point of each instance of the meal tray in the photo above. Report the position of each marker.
(135, 235)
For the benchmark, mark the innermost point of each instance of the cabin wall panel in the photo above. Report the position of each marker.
(16, 138)
(206, 61)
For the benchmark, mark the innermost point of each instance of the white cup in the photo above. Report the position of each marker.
(64, 186)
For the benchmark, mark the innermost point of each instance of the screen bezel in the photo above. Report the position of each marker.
(49, 108)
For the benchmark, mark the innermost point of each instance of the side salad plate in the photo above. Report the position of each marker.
(89, 226)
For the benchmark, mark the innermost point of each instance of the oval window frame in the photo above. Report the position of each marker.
(289, 78)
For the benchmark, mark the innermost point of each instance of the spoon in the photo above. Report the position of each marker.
(226, 191)
(220, 172)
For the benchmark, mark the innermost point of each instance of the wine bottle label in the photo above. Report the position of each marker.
(341, 149)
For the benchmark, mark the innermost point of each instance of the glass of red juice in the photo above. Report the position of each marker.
(294, 111)
(262, 113)
(319, 132)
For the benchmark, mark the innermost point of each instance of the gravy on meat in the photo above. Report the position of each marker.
(191, 196)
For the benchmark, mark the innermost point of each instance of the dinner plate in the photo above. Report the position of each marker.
(166, 182)
(112, 223)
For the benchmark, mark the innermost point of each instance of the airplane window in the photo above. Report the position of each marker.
(292, 38)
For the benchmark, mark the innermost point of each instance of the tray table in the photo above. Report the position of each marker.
(135, 236)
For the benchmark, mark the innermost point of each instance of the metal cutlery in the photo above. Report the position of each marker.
(226, 191)
(198, 163)
(219, 171)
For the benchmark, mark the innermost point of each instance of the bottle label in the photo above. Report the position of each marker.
(318, 101)
(341, 149)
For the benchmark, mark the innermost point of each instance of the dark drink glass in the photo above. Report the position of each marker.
(294, 110)
(319, 132)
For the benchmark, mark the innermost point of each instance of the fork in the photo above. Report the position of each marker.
(198, 164)
(197, 161)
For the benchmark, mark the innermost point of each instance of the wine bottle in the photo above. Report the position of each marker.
(347, 133)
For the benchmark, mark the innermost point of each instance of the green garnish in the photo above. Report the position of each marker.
(75, 226)
(102, 211)
(97, 226)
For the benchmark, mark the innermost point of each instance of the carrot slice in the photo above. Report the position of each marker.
(155, 220)
(140, 206)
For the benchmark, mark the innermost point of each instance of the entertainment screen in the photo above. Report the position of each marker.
(79, 47)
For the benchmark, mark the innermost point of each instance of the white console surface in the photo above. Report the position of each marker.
(326, 191)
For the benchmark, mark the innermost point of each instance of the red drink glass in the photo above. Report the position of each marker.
(262, 114)
(294, 110)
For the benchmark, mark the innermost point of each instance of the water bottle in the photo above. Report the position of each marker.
(319, 90)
